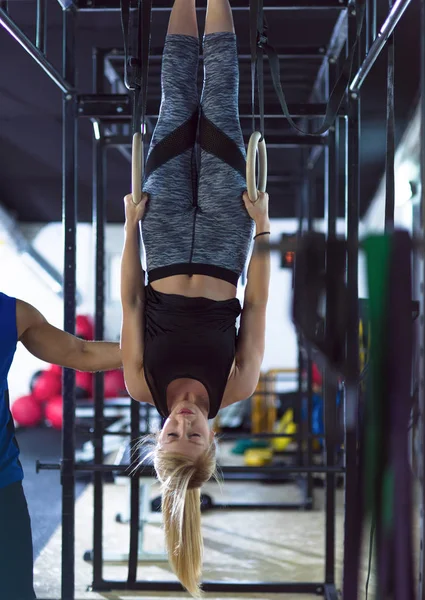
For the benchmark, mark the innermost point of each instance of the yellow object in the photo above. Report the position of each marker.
(285, 425)
(258, 457)
(264, 401)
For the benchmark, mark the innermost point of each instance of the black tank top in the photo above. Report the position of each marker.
(188, 337)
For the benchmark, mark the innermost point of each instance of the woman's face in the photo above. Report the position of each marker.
(186, 430)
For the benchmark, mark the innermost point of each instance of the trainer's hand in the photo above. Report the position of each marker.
(259, 209)
(135, 212)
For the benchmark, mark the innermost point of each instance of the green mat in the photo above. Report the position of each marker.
(242, 445)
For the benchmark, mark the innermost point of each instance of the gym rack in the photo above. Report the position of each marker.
(341, 140)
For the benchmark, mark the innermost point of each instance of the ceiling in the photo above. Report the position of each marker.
(31, 105)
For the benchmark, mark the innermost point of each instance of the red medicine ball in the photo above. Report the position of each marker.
(84, 327)
(317, 378)
(84, 384)
(26, 411)
(56, 369)
(49, 384)
(53, 412)
(114, 384)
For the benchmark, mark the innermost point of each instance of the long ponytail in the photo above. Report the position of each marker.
(181, 479)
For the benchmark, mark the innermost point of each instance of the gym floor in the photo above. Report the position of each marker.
(239, 545)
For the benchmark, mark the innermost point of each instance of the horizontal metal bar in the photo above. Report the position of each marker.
(149, 471)
(100, 105)
(166, 5)
(241, 587)
(283, 52)
(276, 506)
(284, 141)
(244, 115)
(387, 29)
(118, 106)
(226, 437)
(34, 52)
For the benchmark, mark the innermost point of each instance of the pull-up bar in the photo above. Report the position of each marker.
(387, 29)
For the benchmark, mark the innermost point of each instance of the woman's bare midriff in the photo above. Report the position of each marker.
(196, 286)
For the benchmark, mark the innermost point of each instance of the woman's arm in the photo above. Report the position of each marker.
(55, 346)
(258, 278)
(251, 338)
(133, 305)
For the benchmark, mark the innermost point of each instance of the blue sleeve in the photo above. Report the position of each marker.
(8, 327)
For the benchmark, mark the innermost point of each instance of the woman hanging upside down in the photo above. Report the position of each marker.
(180, 348)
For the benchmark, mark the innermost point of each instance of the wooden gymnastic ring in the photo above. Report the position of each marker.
(137, 168)
(256, 144)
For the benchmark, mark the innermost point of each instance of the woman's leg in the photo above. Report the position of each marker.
(170, 172)
(219, 17)
(223, 227)
(183, 19)
(179, 90)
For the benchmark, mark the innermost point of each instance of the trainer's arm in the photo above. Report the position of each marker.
(55, 346)
(133, 322)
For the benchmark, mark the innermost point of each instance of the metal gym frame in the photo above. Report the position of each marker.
(343, 135)
(116, 134)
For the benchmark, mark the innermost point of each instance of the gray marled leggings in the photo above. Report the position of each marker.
(196, 221)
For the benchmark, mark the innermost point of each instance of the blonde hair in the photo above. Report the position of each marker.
(181, 478)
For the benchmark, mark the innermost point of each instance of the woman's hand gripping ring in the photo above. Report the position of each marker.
(256, 144)
(137, 168)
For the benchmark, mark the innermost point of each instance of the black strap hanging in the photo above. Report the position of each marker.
(145, 29)
(132, 68)
(258, 32)
(136, 26)
(257, 58)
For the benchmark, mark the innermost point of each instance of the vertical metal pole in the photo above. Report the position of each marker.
(69, 219)
(98, 70)
(369, 17)
(329, 387)
(390, 143)
(302, 439)
(309, 428)
(300, 209)
(299, 411)
(134, 495)
(352, 233)
(352, 342)
(374, 22)
(99, 220)
(99, 224)
(135, 409)
(332, 167)
(41, 26)
(309, 194)
(421, 591)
